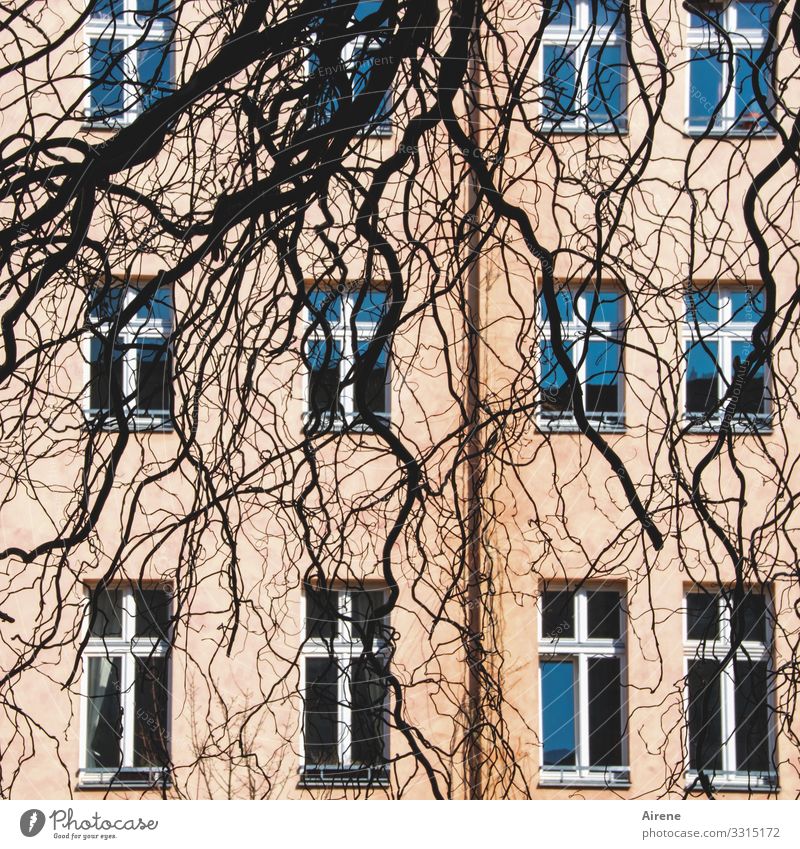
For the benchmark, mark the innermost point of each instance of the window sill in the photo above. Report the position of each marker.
(738, 782)
(730, 132)
(619, 777)
(567, 424)
(755, 425)
(571, 128)
(338, 424)
(137, 424)
(359, 777)
(125, 779)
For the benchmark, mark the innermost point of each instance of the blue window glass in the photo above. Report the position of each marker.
(558, 712)
(706, 86)
(606, 13)
(154, 71)
(696, 22)
(702, 388)
(560, 89)
(564, 300)
(368, 305)
(157, 308)
(374, 391)
(753, 14)
(602, 377)
(702, 306)
(601, 307)
(747, 304)
(751, 394)
(325, 305)
(748, 112)
(324, 357)
(106, 381)
(607, 73)
(108, 9)
(106, 303)
(556, 395)
(107, 95)
(562, 13)
(153, 378)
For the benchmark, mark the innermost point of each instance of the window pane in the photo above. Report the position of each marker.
(153, 378)
(560, 86)
(558, 614)
(602, 307)
(605, 712)
(104, 714)
(368, 688)
(105, 382)
(106, 71)
(565, 305)
(753, 14)
(364, 604)
(108, 8)
(606, 13)
(702, 306)
(326, 305)
(697, 22)
(152, 710)
(158, 9)
(362, 73)
(369, 305)
(106, 303)
(705, 719)
(558, 712)
(322, 609)
(562, 13)
(607, 78)
(154, 71)
(323, 387)
(602, 377)
(747, 304)
(752, 395)
(604, 614)
(748, 111)
(706, 79)
(750, 619)
(106, 605)
(321, 712)
(702, 616)
(152, 613)
(555, 389)
(752, 716)
(702, 390)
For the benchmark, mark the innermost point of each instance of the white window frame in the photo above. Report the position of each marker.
(707, 37)
(345, 648)
(725, 332)
(128, 647)
(130, 32)
(729, 778)
(576, 330)
(580, 36)
(580, 649)
(341, 332)
(137, 329)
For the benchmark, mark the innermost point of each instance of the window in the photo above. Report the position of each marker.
(348, 376)
(345, 693)
(718, 339)
(722, 95)
(126, 687)
(130, 63)
(582, 670)
(129, 364)
(584, 67)
(343, 72)
(728, 693)
(590, 328)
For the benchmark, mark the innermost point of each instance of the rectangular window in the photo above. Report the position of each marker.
(130, 369)
(344, 687)
(591, 332)
(584, 68)
(717, 342)
(723, 96)
(728, 691)
(130, 58)
(348, 368)
(340, 73)
(582, 656)
(126, 687)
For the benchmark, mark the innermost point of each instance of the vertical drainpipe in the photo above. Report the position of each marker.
(474, 524)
